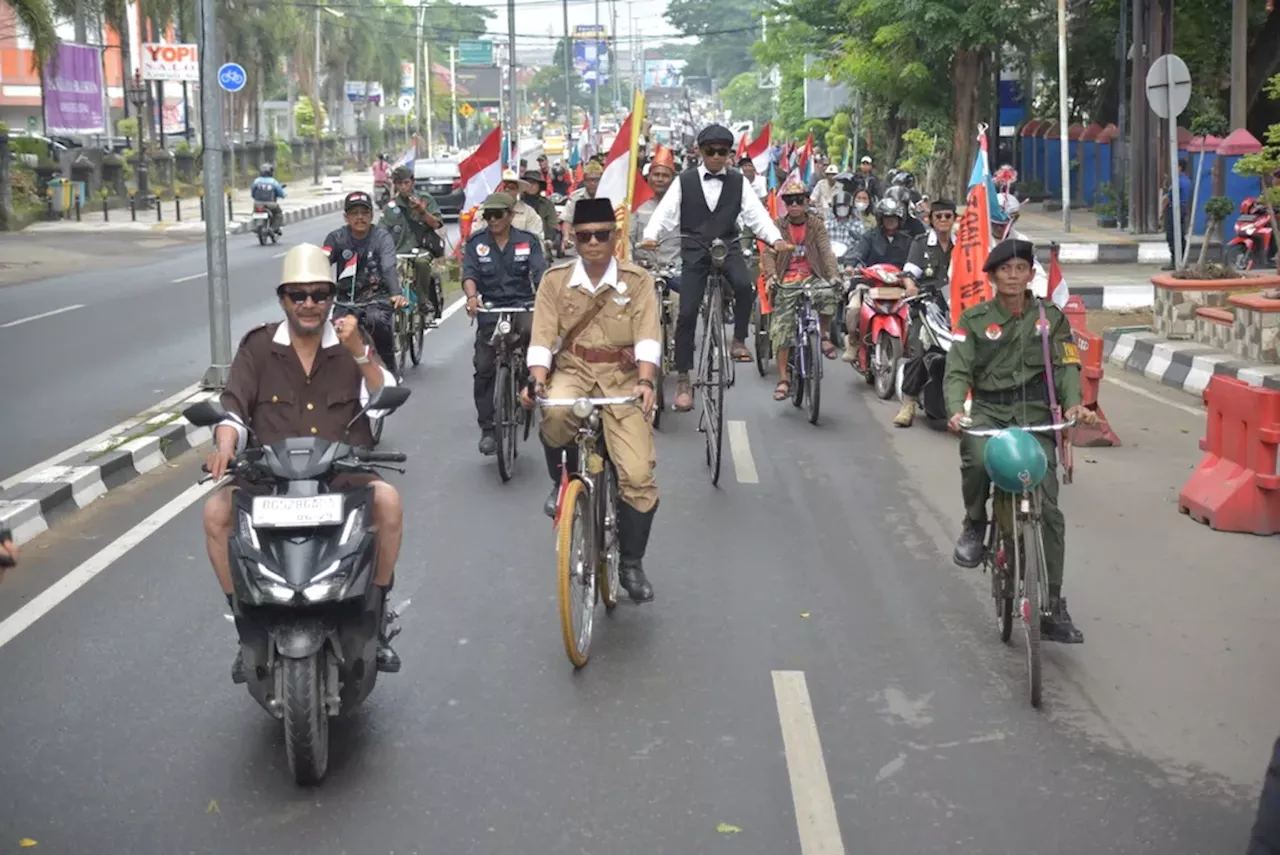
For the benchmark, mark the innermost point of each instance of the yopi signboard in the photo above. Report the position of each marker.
(165, 61)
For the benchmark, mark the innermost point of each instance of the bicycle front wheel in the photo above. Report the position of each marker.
(401, 341)
(813, 383)
(610, 547)
(1032, 553)
(1000, 562)
(712, 380)
(504, 422)
(417, 332)
(576, 572)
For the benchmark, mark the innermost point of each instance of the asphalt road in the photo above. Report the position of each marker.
(689, 731)
(86, 350)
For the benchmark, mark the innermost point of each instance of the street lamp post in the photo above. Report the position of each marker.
(137, 93)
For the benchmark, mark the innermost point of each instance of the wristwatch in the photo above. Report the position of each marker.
(364, 359)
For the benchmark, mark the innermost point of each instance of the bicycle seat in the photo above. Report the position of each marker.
(1015, 461)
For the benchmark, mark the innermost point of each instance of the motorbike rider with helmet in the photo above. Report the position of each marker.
(909, 201)
(844, 226)
(929, 266)
(266, 190)
(559, 180)
(887, 243)
(366, 258)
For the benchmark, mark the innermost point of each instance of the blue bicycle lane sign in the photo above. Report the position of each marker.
(231, 77)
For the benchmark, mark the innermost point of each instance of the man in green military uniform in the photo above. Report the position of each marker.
(412, 218)
(998, 355)
(532, 196)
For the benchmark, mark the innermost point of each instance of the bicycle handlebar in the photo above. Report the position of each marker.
(966, 424)
(594, 402)
(497, 310)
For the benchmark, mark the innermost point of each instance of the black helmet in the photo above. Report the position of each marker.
(904, 179)
(842, 199)
(266, 170)
(888, 207)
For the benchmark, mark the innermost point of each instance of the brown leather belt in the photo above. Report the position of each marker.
(604, 355)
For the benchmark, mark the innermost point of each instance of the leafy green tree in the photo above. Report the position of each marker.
(745, 100)
(722, 29)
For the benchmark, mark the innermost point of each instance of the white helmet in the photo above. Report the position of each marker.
(1008, 203)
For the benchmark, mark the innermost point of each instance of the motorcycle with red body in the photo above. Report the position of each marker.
(882, 325)
(1254, 244)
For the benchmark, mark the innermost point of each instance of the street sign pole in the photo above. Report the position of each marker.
(215, 225)
(1168, 93)
(1064, 144)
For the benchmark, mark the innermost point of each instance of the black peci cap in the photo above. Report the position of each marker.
(715, 135)
(597, 210)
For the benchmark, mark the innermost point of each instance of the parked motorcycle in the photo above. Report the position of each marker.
(932, 320)
(302, 563)
(1253, 244)
(882, 325)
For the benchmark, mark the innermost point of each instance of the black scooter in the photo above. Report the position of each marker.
(302, 565)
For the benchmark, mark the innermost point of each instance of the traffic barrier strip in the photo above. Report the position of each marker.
(1090, 348)
(1236, 485)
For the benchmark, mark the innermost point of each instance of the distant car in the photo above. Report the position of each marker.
(440, 178)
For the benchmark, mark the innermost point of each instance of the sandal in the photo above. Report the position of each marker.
(829, 348)
(782, 391)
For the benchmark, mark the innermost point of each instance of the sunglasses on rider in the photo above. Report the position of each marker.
(597, 235)
(716, 152)
(494, 214)
(299, 296)
(943, 215)
(795, 200)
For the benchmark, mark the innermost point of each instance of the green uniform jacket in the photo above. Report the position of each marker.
(546, 209)
(407, 228)
(994, 351)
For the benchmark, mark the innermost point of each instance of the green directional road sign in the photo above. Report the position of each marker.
(475, 52)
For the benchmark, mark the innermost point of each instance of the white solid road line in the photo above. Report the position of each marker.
(21, 321)
(1138, 390)
(810, 788)
(744, 465)
(189, 278)
(77, 578)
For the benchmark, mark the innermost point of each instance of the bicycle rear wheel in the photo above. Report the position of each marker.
(417, 332)
(504, 422)
(659, 394)
(760, 323)
(1032, 556)
(576, 572)
(401, 341)
(999, 562)
(711, 378)
(610, 548)
(813, 383)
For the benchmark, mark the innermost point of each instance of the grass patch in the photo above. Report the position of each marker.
(137, 432)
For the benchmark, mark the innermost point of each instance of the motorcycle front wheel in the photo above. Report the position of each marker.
(306, 724)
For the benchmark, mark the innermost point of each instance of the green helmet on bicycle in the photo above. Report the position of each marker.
(1015, 460)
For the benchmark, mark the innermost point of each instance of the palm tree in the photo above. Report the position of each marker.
(36, 18)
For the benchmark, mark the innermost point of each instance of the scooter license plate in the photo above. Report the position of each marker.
(887, 293)
(259, 215)
(296, 511)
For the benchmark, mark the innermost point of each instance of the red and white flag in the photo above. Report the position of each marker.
(482, 171)
(618, 169)
(1057, 288)
(758, 151)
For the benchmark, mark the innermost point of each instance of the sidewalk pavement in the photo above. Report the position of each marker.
(1087, 243)
(1111, 286)
(1184, 365)
(303, 201)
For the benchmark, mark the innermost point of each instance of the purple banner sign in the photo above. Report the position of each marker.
(73, 91)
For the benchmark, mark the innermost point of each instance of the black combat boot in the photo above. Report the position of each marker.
(633, 539)
(387, 658)
(553, 469)
(1057, 624)
(969, 547)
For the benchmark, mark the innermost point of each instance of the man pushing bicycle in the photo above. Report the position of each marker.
(998, 354)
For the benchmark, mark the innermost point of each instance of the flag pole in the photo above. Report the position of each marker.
(637, 119)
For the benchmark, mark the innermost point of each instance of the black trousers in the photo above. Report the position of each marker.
(1168, 235)
(486, 366)
(693, 284)
(915, 374)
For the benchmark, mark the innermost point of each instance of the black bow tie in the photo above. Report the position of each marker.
(712, 176)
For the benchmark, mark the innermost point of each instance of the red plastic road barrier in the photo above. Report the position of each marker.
(1075, 312)
(1236, 486)
(1090, 347)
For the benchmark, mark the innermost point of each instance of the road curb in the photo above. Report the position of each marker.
(141, 444)
(307, 212)
(186, 227)
(1184, 365)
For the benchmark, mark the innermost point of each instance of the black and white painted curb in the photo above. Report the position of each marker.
(136, 447)
(1185, 365)
(1135, 252)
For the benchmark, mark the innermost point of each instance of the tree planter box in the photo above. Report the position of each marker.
(1176, 302)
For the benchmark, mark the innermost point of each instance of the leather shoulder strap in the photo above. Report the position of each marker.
(588, 317)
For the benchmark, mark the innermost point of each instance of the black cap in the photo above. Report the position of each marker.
(943, 205)
(1009, 249)
(715, 135)
(355, 199)
(745, 159)
(597, 210)
(533, 175)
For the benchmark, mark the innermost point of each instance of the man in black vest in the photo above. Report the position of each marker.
(705, 203)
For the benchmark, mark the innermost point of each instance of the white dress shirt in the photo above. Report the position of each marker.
(761, 187)
(328, 338)
(753, 215)
(647, 349)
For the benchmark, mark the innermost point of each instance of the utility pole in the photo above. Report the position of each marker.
(417, 82)
(81, 20)
(1125, 142)
(315, 102)
(568, 75)
(215, 235)
(595, 86)
(426, 63)
(1064, 148)
(612, 42)
(514, 112)
(1239, 64)
(453, 91)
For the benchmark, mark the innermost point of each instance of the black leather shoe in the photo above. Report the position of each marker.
(631, 577)
(969, 547)
(488, 444)
(238, 674)
(388, 659)
(1057, 625)
(552, 503)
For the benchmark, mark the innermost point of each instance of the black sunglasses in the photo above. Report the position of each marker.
(494, 214)
(795, 200)
(944, 215)
(598, 235)
(716, 152)
(298, 296)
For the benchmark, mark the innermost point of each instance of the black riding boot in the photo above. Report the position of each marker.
(553, 469)
(633, 539)
(387, 658)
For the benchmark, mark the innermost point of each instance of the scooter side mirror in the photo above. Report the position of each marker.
(388, 398)
(205, 413)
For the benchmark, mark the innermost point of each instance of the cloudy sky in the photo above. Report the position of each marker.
(540, 22)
